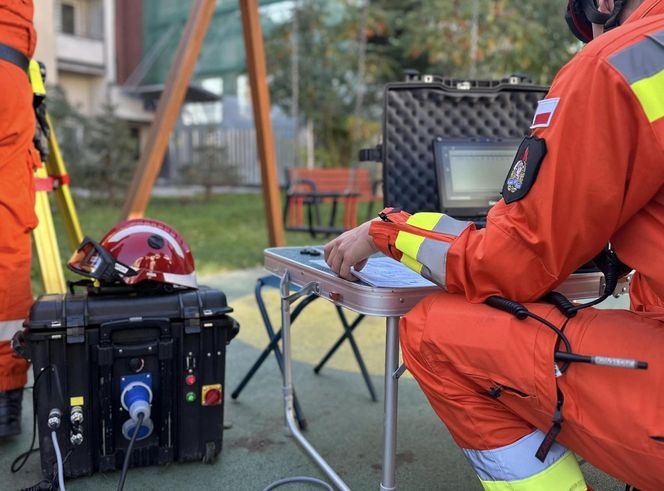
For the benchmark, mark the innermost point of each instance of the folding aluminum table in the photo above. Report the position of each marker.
(295, 265)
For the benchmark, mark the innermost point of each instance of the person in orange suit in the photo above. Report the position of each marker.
(590, 173)
(17, 199)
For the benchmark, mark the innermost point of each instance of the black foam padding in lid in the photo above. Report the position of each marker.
(416, 113)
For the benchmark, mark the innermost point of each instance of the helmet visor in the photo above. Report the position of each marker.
(92, 260)
(88, 260)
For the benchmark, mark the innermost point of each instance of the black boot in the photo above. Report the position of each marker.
(10, 412)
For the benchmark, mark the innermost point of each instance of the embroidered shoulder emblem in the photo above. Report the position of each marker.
(524, 170)
(518, 172)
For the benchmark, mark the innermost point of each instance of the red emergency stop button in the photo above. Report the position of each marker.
(212, 398)
(190, 379)
(211, 395)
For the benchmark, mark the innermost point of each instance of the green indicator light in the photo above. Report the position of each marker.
(191, 397)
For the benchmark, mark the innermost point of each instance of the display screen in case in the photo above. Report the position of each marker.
(471, 174)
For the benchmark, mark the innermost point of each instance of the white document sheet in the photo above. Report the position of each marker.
(385, 272)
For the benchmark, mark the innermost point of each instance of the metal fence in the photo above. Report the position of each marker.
(239, 147)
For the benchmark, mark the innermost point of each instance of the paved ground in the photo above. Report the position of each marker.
(344, 425)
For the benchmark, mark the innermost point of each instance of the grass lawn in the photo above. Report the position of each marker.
(228, 232)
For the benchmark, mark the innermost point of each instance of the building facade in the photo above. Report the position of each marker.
(119, 52)
(77, 41)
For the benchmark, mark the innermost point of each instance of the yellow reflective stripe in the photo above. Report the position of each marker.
(650, 92)
(36, 79)
(409, 244)
(564, 475)
(425, 220)
(411, 263)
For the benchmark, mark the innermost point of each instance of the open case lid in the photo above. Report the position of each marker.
(421, 109)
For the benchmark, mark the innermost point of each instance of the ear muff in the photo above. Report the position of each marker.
(578, 24)
(581, 14)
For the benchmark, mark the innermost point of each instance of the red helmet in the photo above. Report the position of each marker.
(137, 250)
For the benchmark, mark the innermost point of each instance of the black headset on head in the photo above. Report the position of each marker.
(581, 14)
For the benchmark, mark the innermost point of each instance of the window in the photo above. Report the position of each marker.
(67, 19)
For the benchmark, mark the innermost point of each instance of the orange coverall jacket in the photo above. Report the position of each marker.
(601, 180)
(17, 192)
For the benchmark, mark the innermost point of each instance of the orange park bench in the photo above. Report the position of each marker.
(309, 189)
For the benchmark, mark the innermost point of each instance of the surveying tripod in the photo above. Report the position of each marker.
(50, 177)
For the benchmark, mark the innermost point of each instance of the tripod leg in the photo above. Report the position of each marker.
(46, 243)
(63, 198)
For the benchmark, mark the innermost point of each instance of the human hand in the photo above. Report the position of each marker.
(352, 248)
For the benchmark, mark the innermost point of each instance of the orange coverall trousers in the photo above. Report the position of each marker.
(17, 191)
(460, 354)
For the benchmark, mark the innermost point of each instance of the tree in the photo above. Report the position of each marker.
(210, 165)
(67, 123)
(515, 36)
(108, 156)
(431, 36)
(325, 63)
(100, 152)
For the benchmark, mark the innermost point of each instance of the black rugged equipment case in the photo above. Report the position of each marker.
(95, 340)
(423, 108)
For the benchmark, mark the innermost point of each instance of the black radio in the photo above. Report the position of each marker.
(109, 368)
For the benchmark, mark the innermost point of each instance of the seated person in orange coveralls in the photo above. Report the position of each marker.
(590, 173)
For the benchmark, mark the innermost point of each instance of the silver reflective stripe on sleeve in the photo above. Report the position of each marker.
(432, 255)
(450, 226)
(8, 328)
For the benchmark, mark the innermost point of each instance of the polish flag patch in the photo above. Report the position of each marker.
(544, 114)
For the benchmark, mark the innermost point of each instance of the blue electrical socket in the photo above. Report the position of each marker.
(125, 380)
(129, 426)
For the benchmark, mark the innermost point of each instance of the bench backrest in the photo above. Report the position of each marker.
(335, 180)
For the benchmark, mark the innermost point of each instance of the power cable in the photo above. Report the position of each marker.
(290, 480)
(58, 456)
(125, 465)
(22, 458)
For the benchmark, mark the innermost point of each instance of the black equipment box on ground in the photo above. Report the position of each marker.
(425, 108)
(92, 347)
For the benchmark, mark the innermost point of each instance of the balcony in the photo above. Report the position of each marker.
(80, 55)
(80, 46)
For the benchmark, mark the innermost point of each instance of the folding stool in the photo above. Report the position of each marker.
(275, 337)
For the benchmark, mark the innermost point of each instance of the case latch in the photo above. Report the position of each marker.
(192, 322)
(75, 329)
(371, 154)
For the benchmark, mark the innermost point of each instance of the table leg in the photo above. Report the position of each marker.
(286, 299)
(391, 398)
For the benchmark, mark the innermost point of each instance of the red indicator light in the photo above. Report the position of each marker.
(190, 379)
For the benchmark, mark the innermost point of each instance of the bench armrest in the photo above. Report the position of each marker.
(307, 182)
